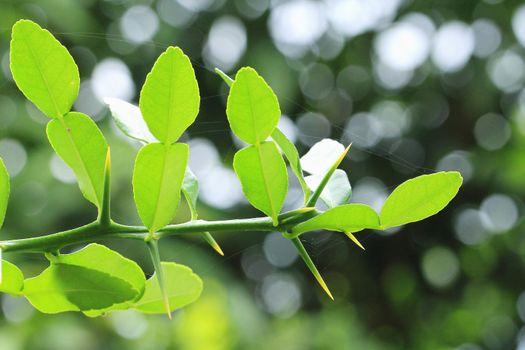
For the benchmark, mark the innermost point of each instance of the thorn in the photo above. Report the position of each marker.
(354, 239)
(212, 242)
(308, 261)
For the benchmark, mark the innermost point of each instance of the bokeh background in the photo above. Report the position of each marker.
(417, 86)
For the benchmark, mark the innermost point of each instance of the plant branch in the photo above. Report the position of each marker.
(95, 232)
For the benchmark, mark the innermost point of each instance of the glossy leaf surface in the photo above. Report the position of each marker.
(169, 100)
(419, 198)
(263, 177)
(79, 142)
(157, 182)
(43, 69)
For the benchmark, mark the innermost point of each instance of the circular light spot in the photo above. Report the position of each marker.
(488, 37)
(281, 295)
(370, 191)
(296, 25)
(518, 24)
(507, 70)
(440, 267)
(278, 250)
(225, 196)
(469, 228)
(129, 324)
(226, 43)
(404, 46)
(313, 127)
(316, 81)
(453, 44)
(364, 130)
(112, 78)
(139, 24)
(499, 213)
(61, 171)
(14, 156)
(492, 131)
(457, 161)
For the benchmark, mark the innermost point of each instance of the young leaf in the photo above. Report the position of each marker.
(292, 155)
(252, 109)
(79, 142)
(311, 266)
(157, 181)
(336, 192)
(345, 218)
(4, 191)
(128, 118)
(326, 178)
(169, 100)
(12, 279)
(320, 158)
(190, 189)
(263, 177)
(419, 198)
(183, 286)
(94, 278)
(43, 69)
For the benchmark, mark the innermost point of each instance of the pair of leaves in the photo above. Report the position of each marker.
(413, 200)
(169, 103)
(96, 280)
(253, 113)
(47, 75)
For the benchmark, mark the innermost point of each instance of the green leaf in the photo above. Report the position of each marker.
(79, 142)
(157, 181)
(12, 279)
(263, 177)
(321, 157)
(4, 191)
(169, 100)
(345, 218)
(43, 69)
(292, 155)
(252, 109)
(183, 287)
(419, 198)
(336, 192)
(129, 120)
(94, 278)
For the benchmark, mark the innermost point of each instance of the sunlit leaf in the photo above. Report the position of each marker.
(79, 142)
(320, 158)
(182, 284)
(325, 178)
(129, 119)
(252, 109)
(12, 279)
(43, 69)
(419, 198)
(94, 278)
(169, 100)
(157, 182)
(345, 218)
(4, 191)
(263, 177)
(336, 192)
(292, 155)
